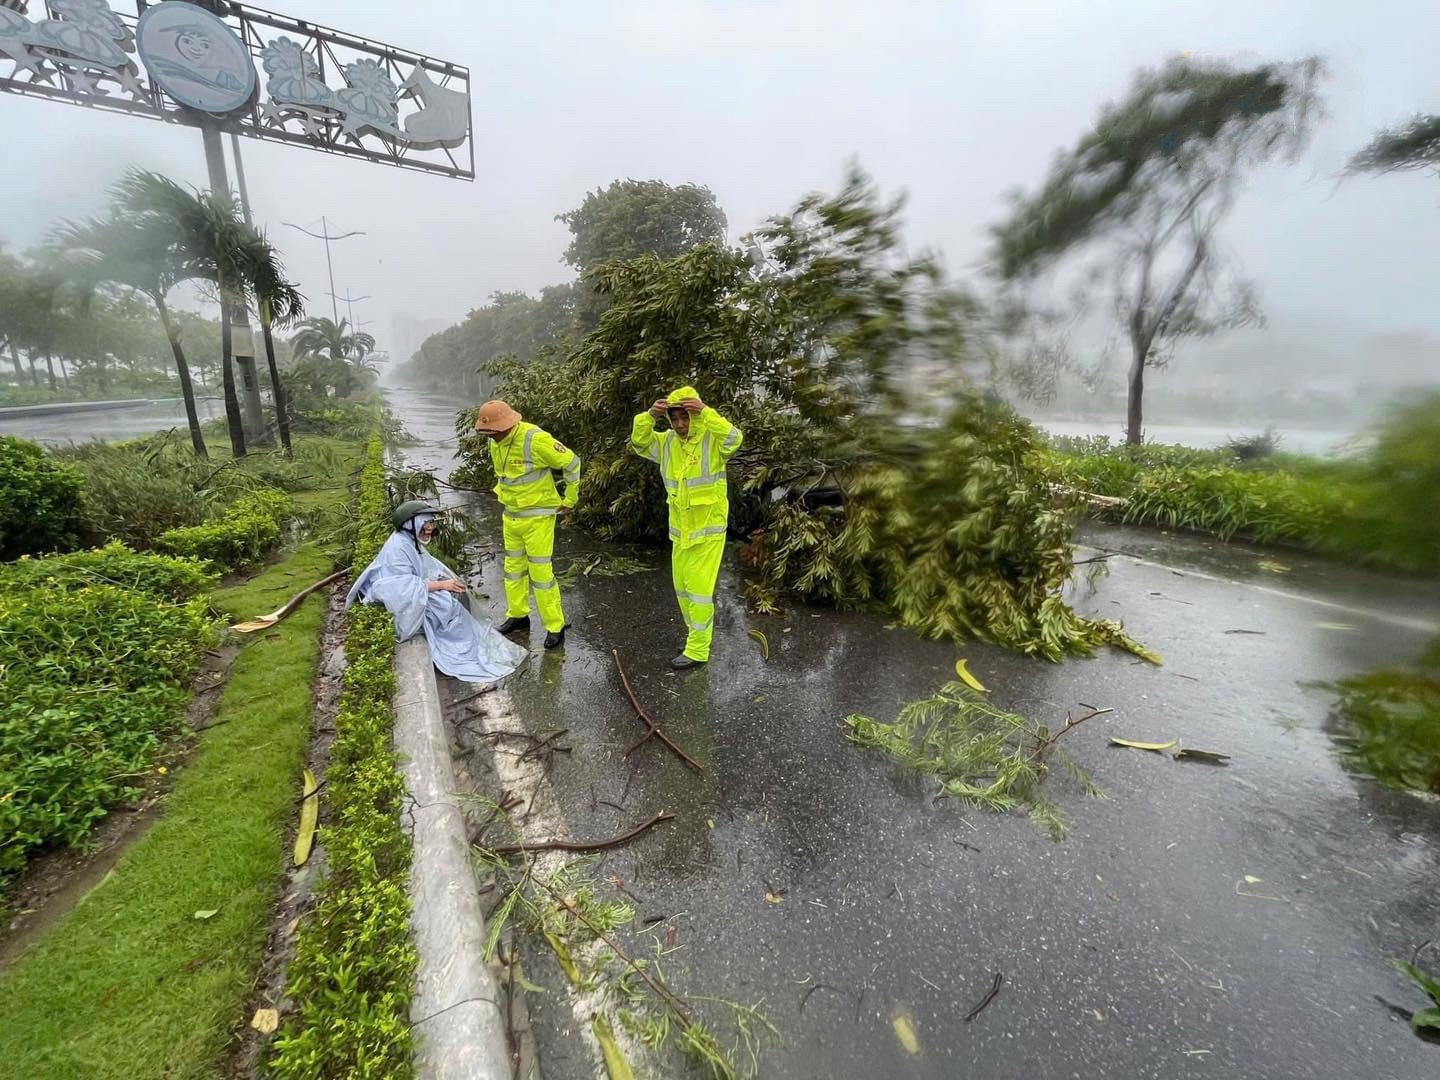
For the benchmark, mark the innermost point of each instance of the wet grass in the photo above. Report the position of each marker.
(132, 984)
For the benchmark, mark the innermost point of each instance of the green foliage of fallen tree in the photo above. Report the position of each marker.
(872, 471)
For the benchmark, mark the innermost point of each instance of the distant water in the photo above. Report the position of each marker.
(107, 425)
(1317, 441)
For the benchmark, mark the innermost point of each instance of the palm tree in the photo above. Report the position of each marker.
(135, 248)
(212, 239)
(277, 301)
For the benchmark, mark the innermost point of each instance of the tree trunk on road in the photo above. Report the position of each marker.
(187, 388)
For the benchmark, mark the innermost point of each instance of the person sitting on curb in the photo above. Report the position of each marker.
(692, 457)
(524, 455)
(422, 594)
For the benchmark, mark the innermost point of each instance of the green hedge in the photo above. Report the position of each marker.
(245, 533)
(354, 968)
(93, 679)
(162, 577)
(43, 506)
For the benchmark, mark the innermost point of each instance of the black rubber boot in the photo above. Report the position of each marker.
(515, 622)
(681, 662)
(556, 638)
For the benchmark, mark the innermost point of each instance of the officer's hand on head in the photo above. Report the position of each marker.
(693, 404)
(658, 409)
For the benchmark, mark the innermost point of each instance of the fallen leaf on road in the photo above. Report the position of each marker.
(774, 898)
(1271, 567)
(1251, 879)
(968, 679)
(309, 818)
(905, 1032)
(764, 643)
(1098, 1015)
(1334, 626)
(617, 1067)
(1208, 757)
(1156, 746)
(265, 1021)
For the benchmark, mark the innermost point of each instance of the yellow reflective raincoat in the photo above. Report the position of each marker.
(693, 469)
(524, 460)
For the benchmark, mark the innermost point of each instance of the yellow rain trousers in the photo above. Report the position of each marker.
(693, 469)
(524, 460)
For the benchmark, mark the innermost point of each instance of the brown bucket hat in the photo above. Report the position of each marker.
(496, 416)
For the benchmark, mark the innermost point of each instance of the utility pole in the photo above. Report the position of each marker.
(326, 235)
(350, 302)
(242, 339)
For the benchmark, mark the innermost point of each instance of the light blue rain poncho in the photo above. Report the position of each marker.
(460, 645)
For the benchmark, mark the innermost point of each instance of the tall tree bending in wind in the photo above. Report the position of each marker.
(1414, 147)
(1144, 192)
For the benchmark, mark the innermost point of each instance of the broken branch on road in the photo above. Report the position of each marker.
(580, 845)
(985, 1001)
(654, 728)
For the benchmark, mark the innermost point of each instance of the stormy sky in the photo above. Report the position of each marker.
(953, 102)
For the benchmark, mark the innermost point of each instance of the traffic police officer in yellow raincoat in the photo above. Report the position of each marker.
(692, 457)
(524, 455)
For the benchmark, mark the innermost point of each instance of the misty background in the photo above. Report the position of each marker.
(952, 104)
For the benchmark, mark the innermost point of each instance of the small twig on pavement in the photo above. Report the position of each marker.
(478, 693)
(579, 845)
(818, 986)
(541, 745)
(651, 724)
(989, 997)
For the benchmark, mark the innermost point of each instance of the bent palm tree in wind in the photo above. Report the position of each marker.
(136, 251)
(210, 238)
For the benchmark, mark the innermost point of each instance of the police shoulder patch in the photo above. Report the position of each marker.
(560, 447)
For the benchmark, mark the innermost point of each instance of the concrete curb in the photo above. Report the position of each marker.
(460, 1028)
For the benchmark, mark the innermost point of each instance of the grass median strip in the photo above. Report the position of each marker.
(132, 983)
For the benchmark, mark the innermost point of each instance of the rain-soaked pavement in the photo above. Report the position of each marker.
(1136, 947)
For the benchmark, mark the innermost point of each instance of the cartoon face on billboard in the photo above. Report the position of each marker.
(194, 57)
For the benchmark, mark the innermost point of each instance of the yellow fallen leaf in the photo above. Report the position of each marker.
(1156, 746)
(774, 898)
(265, 1021)
(616, 1065)
(968, 679)
(1271, 567)
(309, 818)
(210, 914)
(764, 643)
(1251, 879)
(1098, 1015)
(905, 1032)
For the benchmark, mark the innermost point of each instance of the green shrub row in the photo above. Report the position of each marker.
(94, 677)
(163, 577)
(354, 967)
(44, 504)
(245, 533)
(1380, 507)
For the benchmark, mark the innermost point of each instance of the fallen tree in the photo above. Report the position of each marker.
(873, 472)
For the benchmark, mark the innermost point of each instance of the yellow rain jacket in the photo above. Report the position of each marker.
(693, 469)
(523, 462)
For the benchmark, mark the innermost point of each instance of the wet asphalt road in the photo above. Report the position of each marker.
(1135, 947)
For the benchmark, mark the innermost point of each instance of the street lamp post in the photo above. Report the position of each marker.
(350, 302)
(326, 235)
